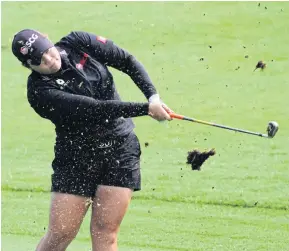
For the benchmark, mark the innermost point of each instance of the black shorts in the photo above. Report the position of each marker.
(81, 164)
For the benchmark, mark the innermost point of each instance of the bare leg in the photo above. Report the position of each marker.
(109, 207)
(66, 215)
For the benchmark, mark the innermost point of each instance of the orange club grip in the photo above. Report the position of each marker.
(176, 116)
(172, 114)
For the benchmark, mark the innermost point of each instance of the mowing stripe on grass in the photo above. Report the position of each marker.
(173, 199)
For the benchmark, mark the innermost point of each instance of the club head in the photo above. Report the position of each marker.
(272, 128)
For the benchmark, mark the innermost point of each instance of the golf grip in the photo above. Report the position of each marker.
(181, 117)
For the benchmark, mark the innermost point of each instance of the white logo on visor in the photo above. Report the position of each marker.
(31, 40)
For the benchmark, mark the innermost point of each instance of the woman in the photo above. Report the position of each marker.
(97, 154)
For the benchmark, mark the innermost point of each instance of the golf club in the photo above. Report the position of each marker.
(272, 127)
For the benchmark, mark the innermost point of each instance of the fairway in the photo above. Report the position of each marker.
(201, 57)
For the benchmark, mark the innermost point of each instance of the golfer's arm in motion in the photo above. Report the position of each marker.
(108, 53)
(57, 105)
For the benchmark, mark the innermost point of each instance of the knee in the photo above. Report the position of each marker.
(57, 236)
(105, 231)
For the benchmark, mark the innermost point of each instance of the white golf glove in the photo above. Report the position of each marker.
(156, 99)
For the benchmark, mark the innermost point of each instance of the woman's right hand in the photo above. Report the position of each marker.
(157, 112)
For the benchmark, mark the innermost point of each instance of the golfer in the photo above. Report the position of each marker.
(97, 154)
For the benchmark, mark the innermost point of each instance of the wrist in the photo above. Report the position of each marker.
(154, 98)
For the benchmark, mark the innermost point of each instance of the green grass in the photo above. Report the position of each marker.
(239, 201)
(186, 226)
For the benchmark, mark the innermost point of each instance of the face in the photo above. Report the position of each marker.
(50, 62)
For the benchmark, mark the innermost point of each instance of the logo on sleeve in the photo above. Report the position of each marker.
(101, 39)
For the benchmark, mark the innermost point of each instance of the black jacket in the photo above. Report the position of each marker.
(81, 98)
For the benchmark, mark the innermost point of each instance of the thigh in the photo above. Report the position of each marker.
(109, 207)
(67, 212)
(122, 169)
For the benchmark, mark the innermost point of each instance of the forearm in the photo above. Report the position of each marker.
(140, 77)
(114, 109)
(57, 106)
(102, 110)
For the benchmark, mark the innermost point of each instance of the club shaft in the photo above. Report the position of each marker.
(217, 125)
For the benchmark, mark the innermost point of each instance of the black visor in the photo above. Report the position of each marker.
(30, 44)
